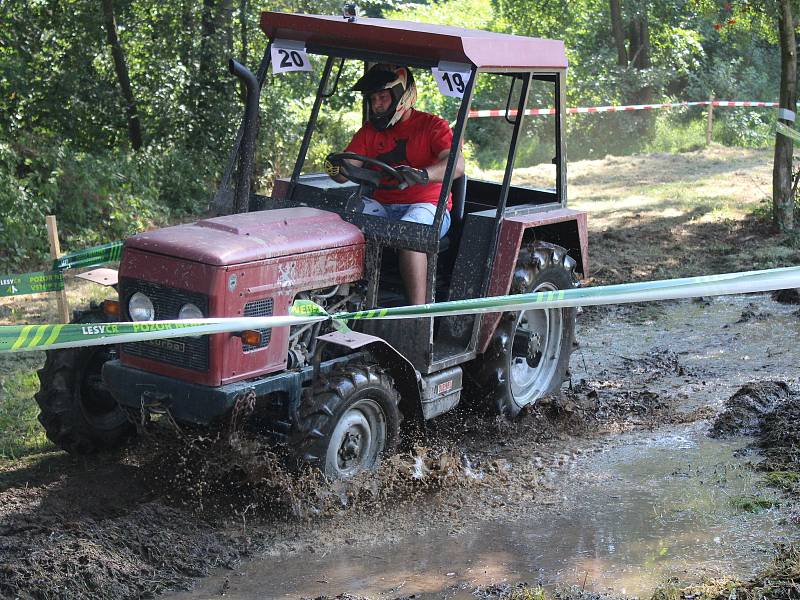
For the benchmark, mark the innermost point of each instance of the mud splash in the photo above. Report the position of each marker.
(212, 476)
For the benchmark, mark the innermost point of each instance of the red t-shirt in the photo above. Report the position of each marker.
(416, 142)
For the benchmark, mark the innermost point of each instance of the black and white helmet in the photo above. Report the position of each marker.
(400, 83)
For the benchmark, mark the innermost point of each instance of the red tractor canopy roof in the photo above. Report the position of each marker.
(484, 49)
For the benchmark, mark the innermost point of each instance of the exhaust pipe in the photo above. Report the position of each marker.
(247, 147)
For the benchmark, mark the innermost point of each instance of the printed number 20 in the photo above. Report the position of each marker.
(290, 58)
(454, 82)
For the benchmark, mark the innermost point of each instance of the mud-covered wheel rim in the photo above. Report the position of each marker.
(535, 352)
(357, 440)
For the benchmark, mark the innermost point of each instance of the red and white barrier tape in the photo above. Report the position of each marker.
(598, 109)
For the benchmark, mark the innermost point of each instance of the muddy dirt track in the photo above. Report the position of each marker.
(614, 486)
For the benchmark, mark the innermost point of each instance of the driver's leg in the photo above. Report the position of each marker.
(414, 265)
(413, 269)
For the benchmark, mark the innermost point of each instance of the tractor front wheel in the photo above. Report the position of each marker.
(350, 421)
(528, 356)
(77, 411)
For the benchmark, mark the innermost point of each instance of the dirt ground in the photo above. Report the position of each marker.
(177, 506)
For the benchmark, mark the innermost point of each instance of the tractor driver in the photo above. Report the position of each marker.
(417, 145)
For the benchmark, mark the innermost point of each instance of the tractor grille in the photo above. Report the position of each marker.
(259, 308)
(185, 352)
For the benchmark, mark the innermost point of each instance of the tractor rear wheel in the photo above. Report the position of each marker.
(350, 421)
(78, 412)
(528, 355)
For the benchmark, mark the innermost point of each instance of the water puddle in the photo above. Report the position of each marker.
(648, 507)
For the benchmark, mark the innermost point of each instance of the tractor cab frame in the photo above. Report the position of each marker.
(488, 220)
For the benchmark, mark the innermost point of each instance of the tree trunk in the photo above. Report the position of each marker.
(640, 41)
(121, 68)
(208, 29)
(782, 197)
(619, 35)
(227, 25)
(243, 30)
(187, 33)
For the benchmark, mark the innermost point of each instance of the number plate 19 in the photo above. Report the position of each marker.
(452, 78)
(289, 55)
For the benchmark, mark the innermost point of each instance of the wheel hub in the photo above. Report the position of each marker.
(357, 439)
(535, 351)
(527, 346)
(351, 447)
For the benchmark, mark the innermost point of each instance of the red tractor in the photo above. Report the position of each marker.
(336, 399)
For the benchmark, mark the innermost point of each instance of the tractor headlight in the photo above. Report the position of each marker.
(190, 311)
(140, 308)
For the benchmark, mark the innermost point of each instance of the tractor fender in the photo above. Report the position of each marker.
(406, 377)
(562, 226)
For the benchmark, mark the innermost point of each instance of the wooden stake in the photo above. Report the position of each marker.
(55, 252)
(710, 120)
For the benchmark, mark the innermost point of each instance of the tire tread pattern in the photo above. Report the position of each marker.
(60, 412)
(320, 410)
(490, 376)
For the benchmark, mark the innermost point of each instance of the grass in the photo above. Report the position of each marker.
(776, 582)
(783, 480)
(20, 431)
(673, 136)
(752, 504)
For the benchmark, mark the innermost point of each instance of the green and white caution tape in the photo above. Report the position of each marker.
(53, 281)
(40, 337)
(647, 291)
(31, 283)
(784, 129)
(90, 257)
(22, 338)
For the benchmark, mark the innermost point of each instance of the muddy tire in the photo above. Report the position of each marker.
(349, 422)
(528, 355)
(78, 412)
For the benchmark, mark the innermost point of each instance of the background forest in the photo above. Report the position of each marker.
(118, 115)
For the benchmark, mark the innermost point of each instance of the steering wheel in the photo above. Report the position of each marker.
(368, 177)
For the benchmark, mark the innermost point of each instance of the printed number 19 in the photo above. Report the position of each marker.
(454, 82)
(290, 58)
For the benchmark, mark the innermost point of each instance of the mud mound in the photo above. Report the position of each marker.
(780, 435)
(654, 365)
(752, 313)
(152, 549)
(596, 405)
(790, 296)
(745, 409)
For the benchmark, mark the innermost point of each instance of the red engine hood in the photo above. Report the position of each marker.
(247, 237)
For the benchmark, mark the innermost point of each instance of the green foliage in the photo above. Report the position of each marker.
(98, 197)
(675, 133)
(64, 145)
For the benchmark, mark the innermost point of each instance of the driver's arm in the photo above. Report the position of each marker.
(437, 169)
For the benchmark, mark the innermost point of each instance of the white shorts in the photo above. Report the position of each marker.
(423, 212)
